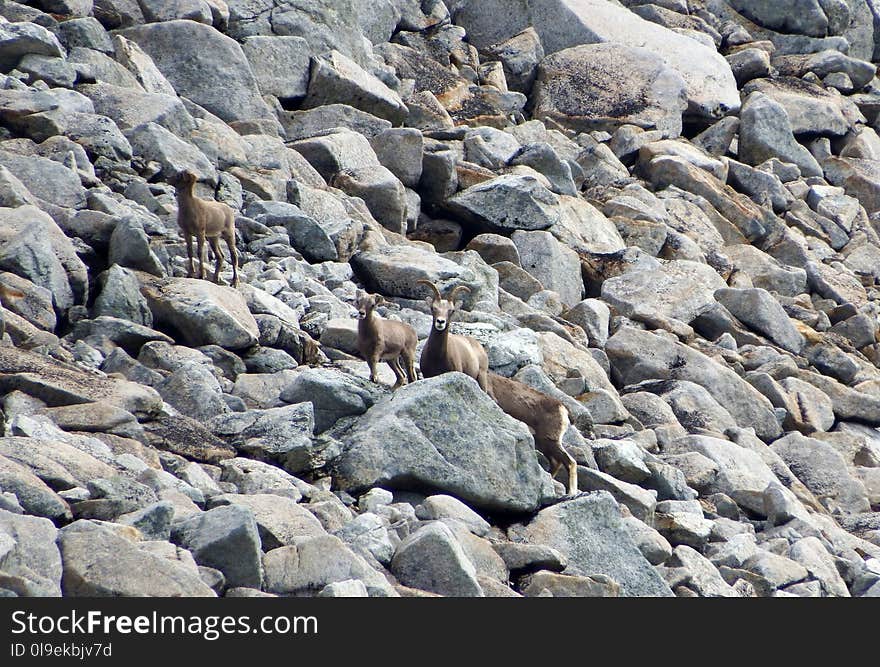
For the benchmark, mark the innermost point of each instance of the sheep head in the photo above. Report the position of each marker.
(183, 178)
(442, 309)
(365, 303)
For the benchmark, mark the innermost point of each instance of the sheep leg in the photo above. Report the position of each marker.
(373, 361)
(218, 258)
(411, 369)
(572, 477)
(398, 372)
(201, 244)
(229, 237)
(189, 252)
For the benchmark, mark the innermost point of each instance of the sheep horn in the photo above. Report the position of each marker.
(433, 287)
(460, 288)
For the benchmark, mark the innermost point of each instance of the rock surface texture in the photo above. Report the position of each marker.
(665, 221)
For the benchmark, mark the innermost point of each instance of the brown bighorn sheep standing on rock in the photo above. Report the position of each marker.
(385, 340)
(445, 352)
(211, 220)
(546, 417)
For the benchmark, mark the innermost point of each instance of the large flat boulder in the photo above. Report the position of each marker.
(680, 289)
(604, 86)
(589, 532)
(641, 355)
(201, 312)
(34, 247)
(711, 87)
(57, 383)
(423, 437)
(203, 65)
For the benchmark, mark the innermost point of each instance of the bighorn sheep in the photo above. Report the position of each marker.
(546, 417)
(385, 340)
(444, 351)
(7, 292)
(205, 219)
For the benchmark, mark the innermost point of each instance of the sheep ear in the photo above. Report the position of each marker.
(379, 300)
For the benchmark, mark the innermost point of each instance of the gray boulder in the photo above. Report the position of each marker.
(758, 310)
(424, 437)
(21, 38)
(604, 86)
(431, 559)
(31, 493)
(203, 65)
(679, 289)
(556, 266)
(639, 355)
(336, 78)
(34, 247)
(823, 470)
(281, 521)
(765, 132)
(120, 297)
(332, 394)
(395, 271)
(560, 24)
(282, 435)
(100, 562)
(227, 539)
(280, 64)
(46, 179)
(203, 313)
(506, 203)
(589, 532)
(310, 564)
(30, 563)
(154, 142)
(194, 391)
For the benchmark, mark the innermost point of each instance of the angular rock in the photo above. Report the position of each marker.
(336, 78)
(203, 65)
(98, 562)
(281, 521)
(506, 203)
(681, 289)
(312, 563)
(757, 309)
(29, 558)
(604, 86)
(431, 559)
(227, 539)
(404, 442)
(203, 313)
(765, 132)
(589, 532)
(554, 265)
(639, 355)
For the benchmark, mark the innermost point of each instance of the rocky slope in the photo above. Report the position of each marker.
(667, 214)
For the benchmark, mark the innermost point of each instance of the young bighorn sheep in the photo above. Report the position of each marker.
(7, 292)
(546, 417)
(445, 352)
(211, 220)
(385, 340)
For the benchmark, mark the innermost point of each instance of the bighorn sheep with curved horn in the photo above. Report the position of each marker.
(444, 351)
(546, 417)
(385, 340)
